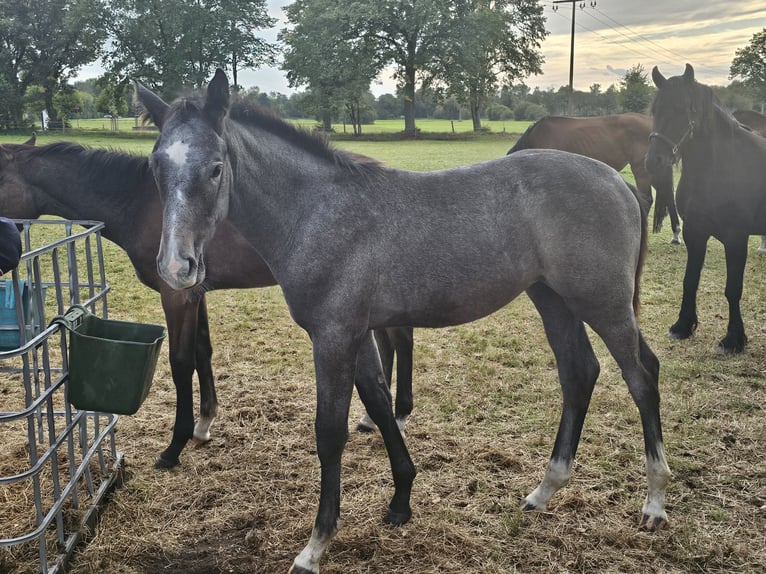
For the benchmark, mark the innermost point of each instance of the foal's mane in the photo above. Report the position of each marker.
(106, 166)
(252, 115)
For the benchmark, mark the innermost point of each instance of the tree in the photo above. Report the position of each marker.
(492, 42)
(636, 93)
(407, 33)
(173, 44)
(111, 101)
(45, 43)
(750, 63)
(324, 52)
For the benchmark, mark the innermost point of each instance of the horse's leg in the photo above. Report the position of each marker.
(334, 362)
(208, 405)
(181, 317)
(640, 369)
(404, 343)
(386, 350)
(696, 246)
(736, 257)
(578, 370)
(371, 385)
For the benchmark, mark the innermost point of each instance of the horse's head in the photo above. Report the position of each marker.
(191, 168)
(682, 107)
(16, 190)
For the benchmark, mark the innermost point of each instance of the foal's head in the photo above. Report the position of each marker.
(16, 192)
(190, 166)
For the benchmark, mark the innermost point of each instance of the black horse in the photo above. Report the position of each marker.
(721, 193)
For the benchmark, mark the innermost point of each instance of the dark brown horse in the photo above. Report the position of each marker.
(618, 140)
(70, 181)
(721, 193)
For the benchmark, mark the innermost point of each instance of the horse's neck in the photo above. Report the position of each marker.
(65, 192)
(276, 188)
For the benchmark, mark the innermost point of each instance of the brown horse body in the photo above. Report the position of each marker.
(753, 120)
(617, 140)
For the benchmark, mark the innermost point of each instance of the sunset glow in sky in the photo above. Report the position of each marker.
(610, 38)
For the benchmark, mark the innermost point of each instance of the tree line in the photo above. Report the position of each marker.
(459, 59)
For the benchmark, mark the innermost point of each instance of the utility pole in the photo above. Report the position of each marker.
(570, 103)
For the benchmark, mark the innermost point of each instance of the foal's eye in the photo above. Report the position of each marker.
(217, 170)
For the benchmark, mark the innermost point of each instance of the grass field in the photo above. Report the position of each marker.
(129, 125)
(486, 410)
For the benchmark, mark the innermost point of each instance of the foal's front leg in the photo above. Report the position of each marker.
(181, 319)
(736, 257)
(696, 246)
(334, 362)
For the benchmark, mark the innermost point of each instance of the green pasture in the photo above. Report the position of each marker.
(487, 405)
(131, 125)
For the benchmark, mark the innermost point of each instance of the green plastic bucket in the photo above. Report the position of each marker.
(111, 363)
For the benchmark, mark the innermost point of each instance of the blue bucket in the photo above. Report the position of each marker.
(9, 324)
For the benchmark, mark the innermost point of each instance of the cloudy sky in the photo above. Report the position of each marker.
(610, 37)
(613, 36)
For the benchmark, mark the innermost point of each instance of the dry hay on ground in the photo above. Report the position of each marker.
(486, 410)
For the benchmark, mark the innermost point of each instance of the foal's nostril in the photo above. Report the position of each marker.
(191, 265)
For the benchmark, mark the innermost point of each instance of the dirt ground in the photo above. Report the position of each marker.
(486, 411)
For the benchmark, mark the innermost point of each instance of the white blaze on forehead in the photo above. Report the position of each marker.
(177, 152)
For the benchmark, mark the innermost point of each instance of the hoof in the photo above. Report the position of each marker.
(294, 569)
(727, 348)
(679, 335)
(197, 442)
(652, 523)
(675, 241)
(163, 463)
(366, 424)
(397, 518)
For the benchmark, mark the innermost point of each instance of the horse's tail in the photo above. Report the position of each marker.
(523, 141)
(644, 208)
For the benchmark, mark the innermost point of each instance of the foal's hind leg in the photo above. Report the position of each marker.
(640, 369)
(395, 342)
(578, 370)
(208, 405)
(386, 350)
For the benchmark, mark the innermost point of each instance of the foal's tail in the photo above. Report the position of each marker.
(643, 249)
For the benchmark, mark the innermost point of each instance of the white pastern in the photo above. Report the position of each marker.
(657, 477)
(367, 422)
(177, 152)
(310, 556)
(556, 476)
(202, 429)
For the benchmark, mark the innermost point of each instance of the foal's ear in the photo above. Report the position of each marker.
(154, 105)
(659, 79)
(689, 73)
(217, 100)
(32, 139)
